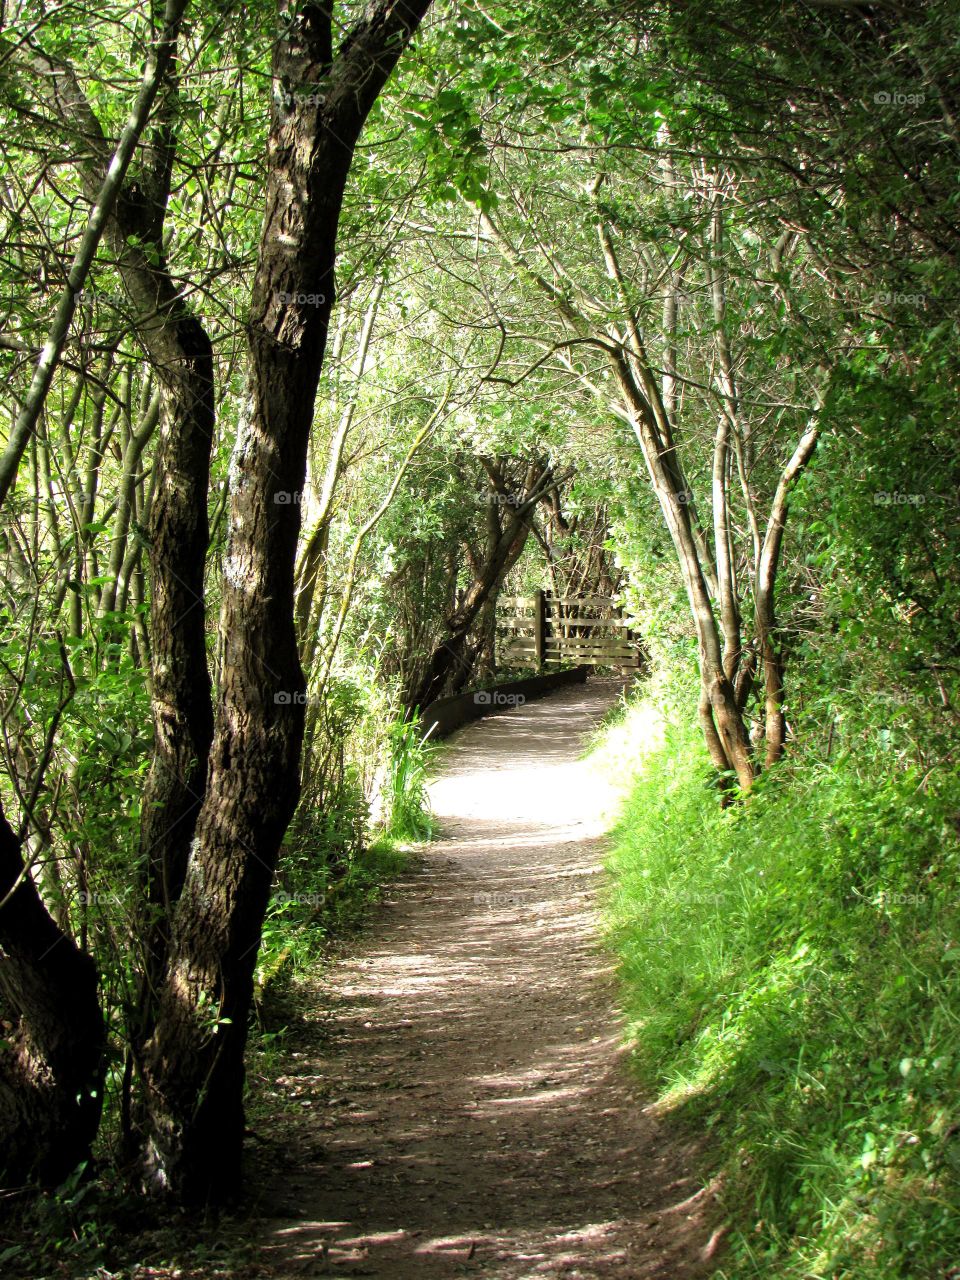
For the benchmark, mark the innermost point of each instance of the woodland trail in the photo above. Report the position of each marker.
(466, 1106)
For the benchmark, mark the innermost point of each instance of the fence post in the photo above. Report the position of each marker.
(539, 627)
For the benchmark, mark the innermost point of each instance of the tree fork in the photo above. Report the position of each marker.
(193, 1066)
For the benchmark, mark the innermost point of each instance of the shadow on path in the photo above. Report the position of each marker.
(469, 1111)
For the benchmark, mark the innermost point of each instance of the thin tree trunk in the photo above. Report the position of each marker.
(448, 658)
(134, 446)
(775, 725)
(158, 63)
(350, 577)
(722, 455)
(312, 569)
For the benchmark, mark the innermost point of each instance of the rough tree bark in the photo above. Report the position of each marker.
(130, 202)
(52, 1051)
(181, 354)
(194, 1062)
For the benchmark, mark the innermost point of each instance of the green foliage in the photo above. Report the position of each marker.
(340, 847)
(75, 1225)
(314, 907)
(338, 850)
(789, 964)
(791, 977)
(406, 803)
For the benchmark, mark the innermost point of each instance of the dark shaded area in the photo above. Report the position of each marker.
(446, 715)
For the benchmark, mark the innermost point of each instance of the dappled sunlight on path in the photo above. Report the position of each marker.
(469, 1111)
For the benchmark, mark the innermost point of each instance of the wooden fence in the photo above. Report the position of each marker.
(544, 630)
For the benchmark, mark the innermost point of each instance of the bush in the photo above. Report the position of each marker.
(406, 805)
(791, 974)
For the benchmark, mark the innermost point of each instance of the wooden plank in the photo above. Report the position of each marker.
(586, 624)
(612, 654)
(589, 645)
(571, 642)
(613, 658)
(539, 627)
(600, 657)
(615, 655)
(609, 659)
(581, 619)
(600, 653)
(605, 602)
(579, 632)
(615, 624)
(632, 663)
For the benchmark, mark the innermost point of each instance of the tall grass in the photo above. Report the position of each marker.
(406, 804)
(791, 977)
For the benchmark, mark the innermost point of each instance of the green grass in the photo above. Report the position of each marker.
(301, 922)
(407, 807)
(791, 978)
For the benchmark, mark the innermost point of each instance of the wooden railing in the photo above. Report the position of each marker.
(544, 630)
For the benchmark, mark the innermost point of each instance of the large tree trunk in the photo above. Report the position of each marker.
(180, 685)
(194, 1063)
(181, 693)
(52, 1050)
(181, 354)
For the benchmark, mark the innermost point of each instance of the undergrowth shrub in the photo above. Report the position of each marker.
(791, 976)
(406, 805)
(347, 836)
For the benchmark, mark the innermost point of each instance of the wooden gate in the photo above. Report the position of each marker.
(544, 630)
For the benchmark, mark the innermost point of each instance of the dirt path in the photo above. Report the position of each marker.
(477, 1117)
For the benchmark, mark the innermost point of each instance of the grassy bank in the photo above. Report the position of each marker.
(791, 978)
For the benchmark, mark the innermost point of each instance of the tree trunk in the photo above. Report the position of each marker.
(487, 653)
(194, 1062)
(775, 724)
(181, 354)
(311, 576)
(52, 1053)
(181, 692)
(449, 659)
